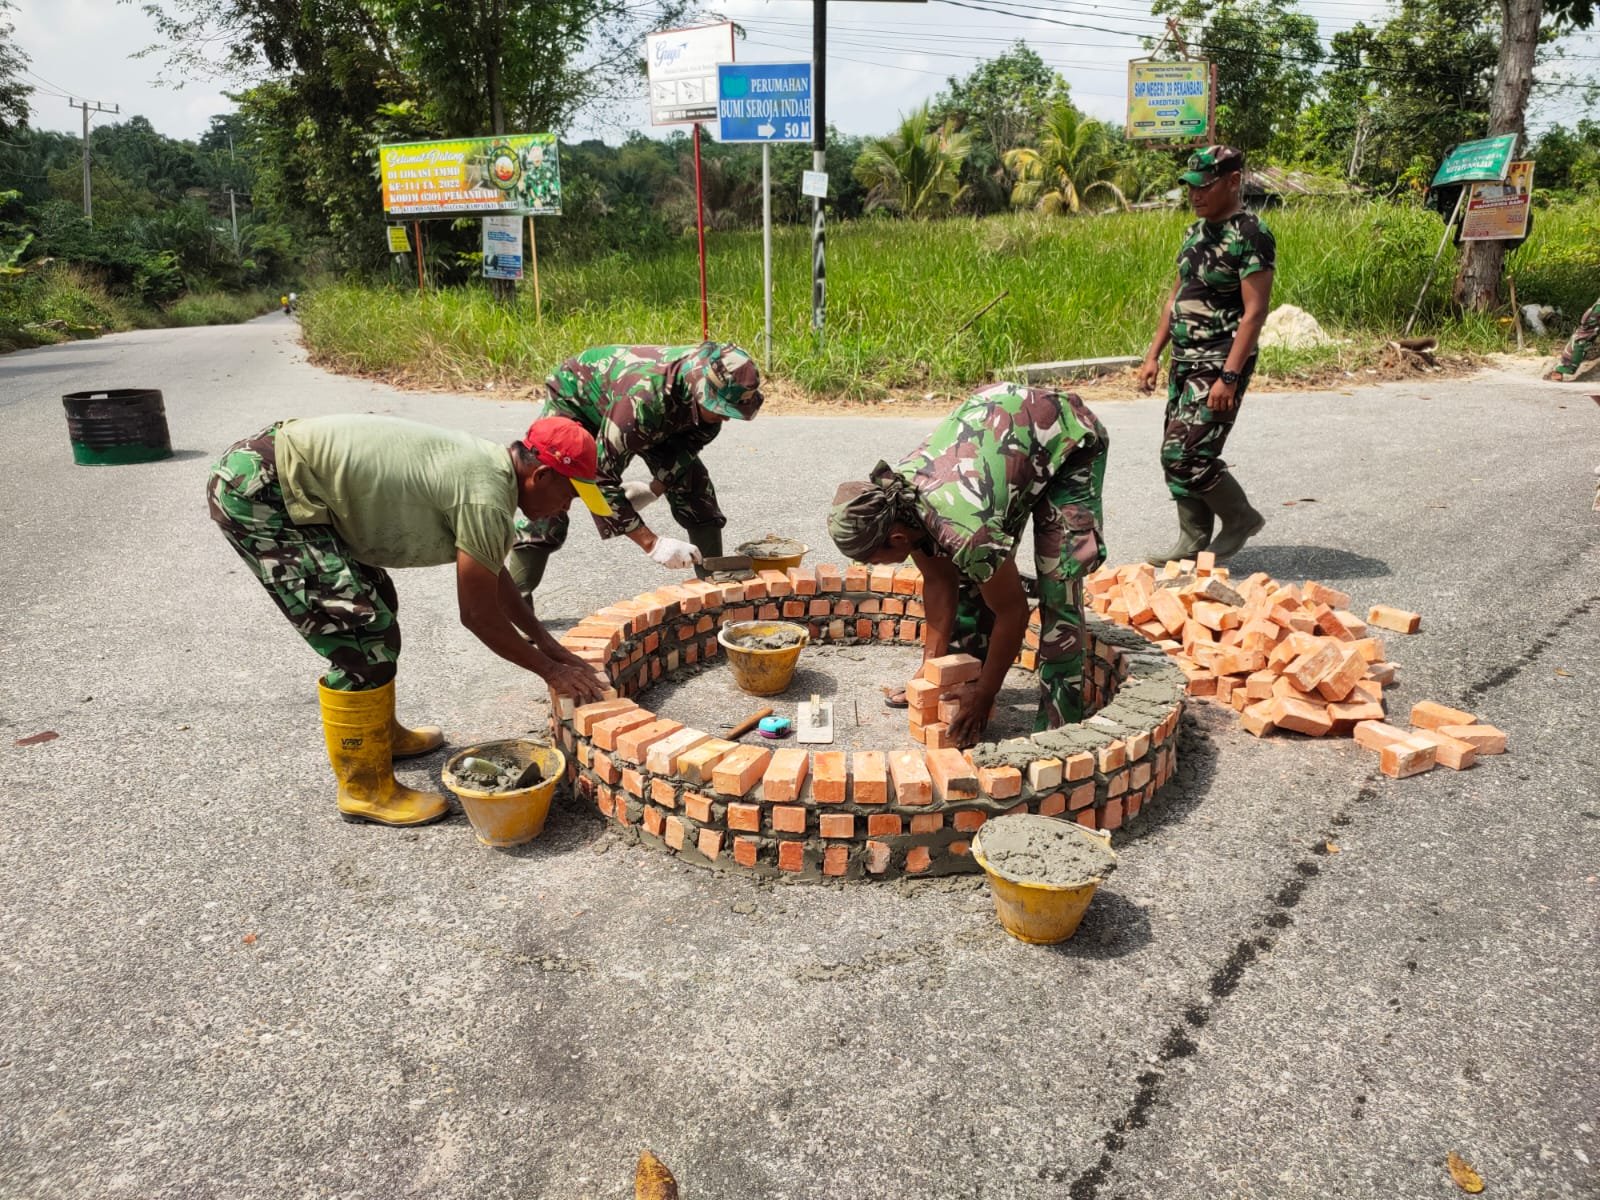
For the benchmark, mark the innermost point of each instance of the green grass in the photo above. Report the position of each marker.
(899, 291)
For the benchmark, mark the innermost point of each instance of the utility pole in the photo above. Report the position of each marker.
(88, 194)
(233, 213)
(819, 160)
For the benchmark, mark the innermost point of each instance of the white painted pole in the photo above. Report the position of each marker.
(766, 240)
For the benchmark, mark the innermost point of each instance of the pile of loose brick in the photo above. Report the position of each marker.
(1288, 657)
(863, 815)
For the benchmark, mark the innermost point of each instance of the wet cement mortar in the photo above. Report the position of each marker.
(852, 676)
(772, 547)
(781, 639)
(1034, 849)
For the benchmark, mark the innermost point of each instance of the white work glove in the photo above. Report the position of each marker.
(674, 555)
(638, 494)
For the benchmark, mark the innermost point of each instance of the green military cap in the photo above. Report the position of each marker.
(1209, 164)
(726, 380)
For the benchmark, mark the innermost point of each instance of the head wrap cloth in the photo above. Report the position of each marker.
(864, 513)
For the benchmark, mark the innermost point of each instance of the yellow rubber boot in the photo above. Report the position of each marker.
(408, 743)
(360, 747)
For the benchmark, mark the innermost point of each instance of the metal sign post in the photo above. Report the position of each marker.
(766, 103)
(682, 65)
(819, 162)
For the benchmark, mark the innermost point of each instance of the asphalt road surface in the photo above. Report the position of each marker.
(210, 986)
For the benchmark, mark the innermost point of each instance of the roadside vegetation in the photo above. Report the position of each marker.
(899, 293)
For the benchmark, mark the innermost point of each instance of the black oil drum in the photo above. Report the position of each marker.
(119, 425)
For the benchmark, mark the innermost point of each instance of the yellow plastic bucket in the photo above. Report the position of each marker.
(508, 818)
(1037, 912)
(781, 563)
(762, 672)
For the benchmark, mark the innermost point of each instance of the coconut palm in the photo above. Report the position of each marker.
(917, 169)
(1075, 157)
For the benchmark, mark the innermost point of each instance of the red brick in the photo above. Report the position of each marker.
(952, 669)
(785, 774)
(1375, 735)
(604, 733)
(710, 843)
(654, 820)
(1448, 751)
(633, 782)
(677, 830)
(744, 816)
(835, 825)
(699, 764)
(1485, 739)
(829, 776)
(664, 792)
(960, 849)
(1000, 783)
(917, 860)
(881, 579)
(836, 860)
(603, 799)
(788, 818)
(1305, 671)
(886, 630)
(1425, 714)
(953, 775)
(777, 583)
(583, 719)
(868, 778)
(698, 807)
(912, 783)
(1354, 711)
(829, 577)
(935, 736)
(1336, 683)
(1056, 803)
(968, 819)
(1112, 757)
(768, 612)
(1046, 773)
(1300, 716)
(606, 769)
(746, 851)
(927, 822)
(635, 743)
(1397, 619)
(803, 581)
(1401, 759)
(877, 857)
(1082, 796)
(1256, 719)
(662, 758)
(791, 856)
(883, 825)
(737, 772)
(1111, 815)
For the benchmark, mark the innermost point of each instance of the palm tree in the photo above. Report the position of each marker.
(1074, 157)
(917, 169)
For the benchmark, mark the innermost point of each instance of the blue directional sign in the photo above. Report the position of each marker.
(764, 102)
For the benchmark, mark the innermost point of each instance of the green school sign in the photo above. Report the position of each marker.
(1484, 160)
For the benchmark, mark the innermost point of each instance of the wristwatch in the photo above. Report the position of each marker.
(1230, 377)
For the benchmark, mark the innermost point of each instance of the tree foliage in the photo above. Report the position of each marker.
(1075, 156)
(915, 171)
(14, 92)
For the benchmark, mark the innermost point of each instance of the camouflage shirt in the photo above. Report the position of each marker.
(981, 472)
(632, 399)
(1209, 305)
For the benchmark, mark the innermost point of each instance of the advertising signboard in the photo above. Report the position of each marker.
(399, 241)
(682, 65)
(764, 102)
(1498, 210)
(1486, 158)
(1169, 101)
(502, 247)
(517, 173)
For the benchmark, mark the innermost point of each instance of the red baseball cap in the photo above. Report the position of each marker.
(567, 448)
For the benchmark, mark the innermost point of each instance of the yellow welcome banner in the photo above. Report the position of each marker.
(518, 173)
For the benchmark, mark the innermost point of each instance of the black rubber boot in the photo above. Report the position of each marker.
(1240, 522)
(707, 539)
(1194, 531)
(526, 564)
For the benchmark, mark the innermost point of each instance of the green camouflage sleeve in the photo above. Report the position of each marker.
(1258, 251)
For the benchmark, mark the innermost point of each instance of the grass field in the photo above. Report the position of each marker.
(899, 291)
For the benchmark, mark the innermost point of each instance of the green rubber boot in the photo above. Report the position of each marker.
(1194, 531)
(526, 564)
(1240, 522)
(707, 539)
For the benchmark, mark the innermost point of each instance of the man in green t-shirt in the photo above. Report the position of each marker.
(1213, 318)
(319, 508)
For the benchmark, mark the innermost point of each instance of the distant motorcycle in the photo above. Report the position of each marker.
(290, 303)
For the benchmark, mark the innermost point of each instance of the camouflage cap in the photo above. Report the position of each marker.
(725, 380)
(864, 514)
(1209, 164)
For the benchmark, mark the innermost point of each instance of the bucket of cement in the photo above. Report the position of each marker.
(505, 788)
(774, 553)
(1043, 873)
(763, 654)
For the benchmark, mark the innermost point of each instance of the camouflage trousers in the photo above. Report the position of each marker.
(689, 493)
(1067, 545)
(343, 608)
(1191, 447)
(1582, 343)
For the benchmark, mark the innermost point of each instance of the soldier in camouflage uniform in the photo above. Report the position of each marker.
(664, 404)
(1213, 318)
(1578, 347)
(957, 506)
(319, 508)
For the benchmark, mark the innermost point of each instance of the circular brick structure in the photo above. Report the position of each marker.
(864, 815)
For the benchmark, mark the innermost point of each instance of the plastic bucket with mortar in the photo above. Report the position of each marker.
(762, 672)
(1043, 902)
(780, 562)
(508, 818)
